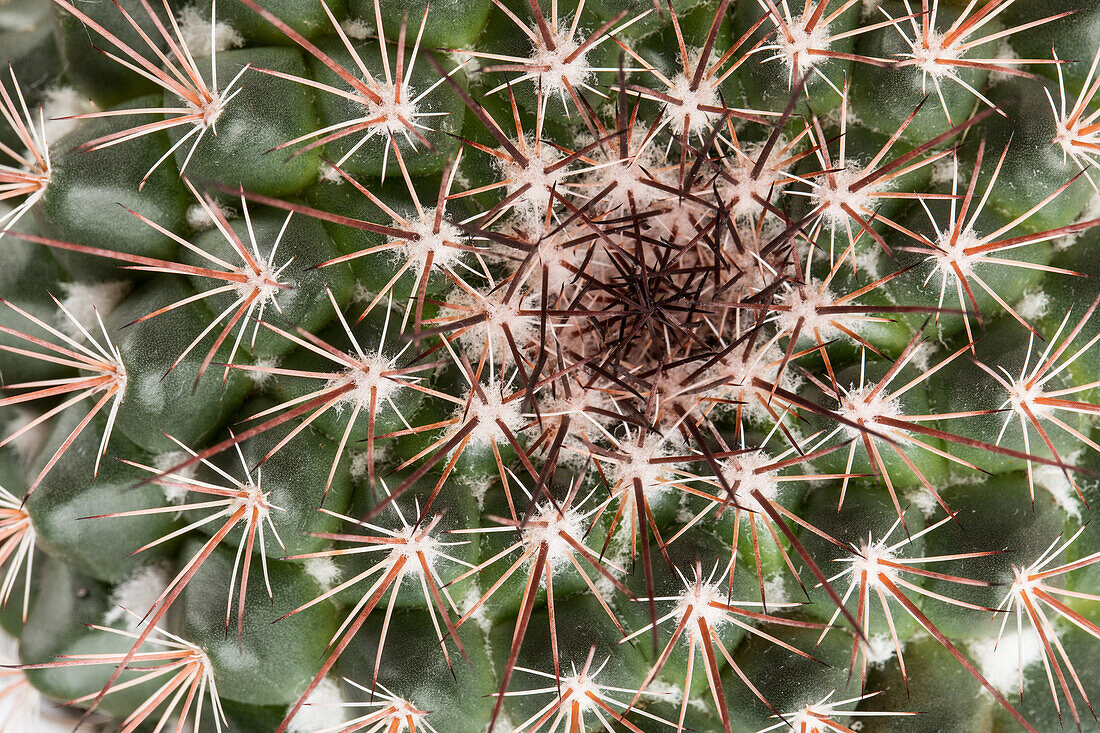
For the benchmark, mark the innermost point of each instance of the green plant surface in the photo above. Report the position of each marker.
(550, 366)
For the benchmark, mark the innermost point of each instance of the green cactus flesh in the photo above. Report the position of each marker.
(549, 366)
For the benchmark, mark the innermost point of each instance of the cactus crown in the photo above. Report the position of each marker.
(715, 365)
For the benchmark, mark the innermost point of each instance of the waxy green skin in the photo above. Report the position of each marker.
(1073, 40)
(449, 24)
(287, 649)
(239, 149)
(159, 403)
(294, 479)
(307, 18)
(302, 302)
(65, 507)
(426, 150)
(907, 87)
(89, 193)
(23, 273)
(81, 563)
(91, 72)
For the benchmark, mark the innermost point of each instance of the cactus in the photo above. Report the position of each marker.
(550, 365)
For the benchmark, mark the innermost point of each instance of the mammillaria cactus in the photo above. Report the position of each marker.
(550, 365)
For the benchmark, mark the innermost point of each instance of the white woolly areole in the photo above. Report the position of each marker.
(1004, 54)
(132, 598)
(1022, 399)
(742, 472)
(262, 376)
(324, 570)
(322, 709)
(480, 616)
(254, 501)
(63, 102)
(174, 491)
(410, 545)
(531, 205)
(805, 303)
(664, 690)
(1054, 481)
(360, 460)
(742, 193)
(629, 175)
(869, 560)
(488, 411)
(775, 589)
(27, 445)
(795, 48)
(559, 67)
(199, 219)
(582, 689)
(837, 190)
(1000, 661)
(923, 500)
(367, 379)
(195, 29)
(860, 406)
(934, 58)
(547, 526)
(690, 112)
(83, 300)
(358, 29)
(428, 241)
(499, 311)
(695, 602)
(922, 355)
(556, 257)
(639, 464)
(1068, 133)
(869, 7)
(879, 649)
(394, 114)
(328, 173)
(1034, 305)
(951, 254)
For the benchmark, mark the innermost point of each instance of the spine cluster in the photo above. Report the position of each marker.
(554, 366)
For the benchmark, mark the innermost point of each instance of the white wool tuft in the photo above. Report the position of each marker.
(329, 174)
(880, 649)
(923, 500)
(83, 300)
(1035, 304)
(1004, 54)
(324, 570)
(199, 220)
(1054, 481)
(943, 171)
(869, 8)
(27, 445)
(323, 709)
(62, 102)
(195, 29)
(922, 355)
(173, 493)
(775, 589)
(21, 705)
(260, 377)
(358, 29)
(479, 488)
(480, 617)
(133, 597)
(1000, 661)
